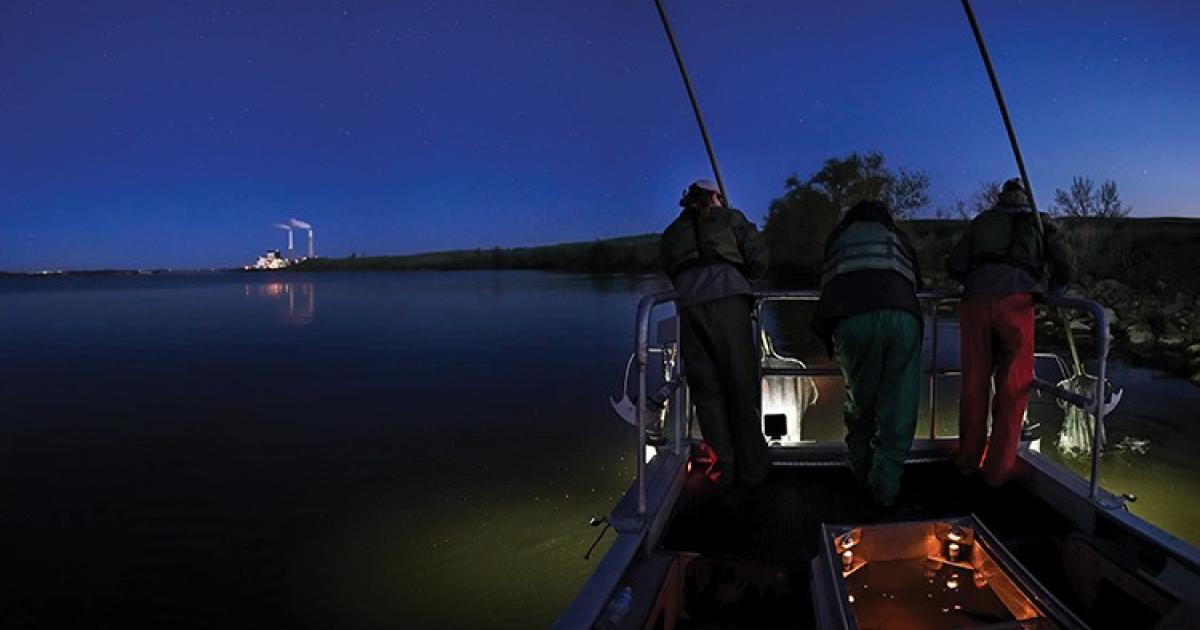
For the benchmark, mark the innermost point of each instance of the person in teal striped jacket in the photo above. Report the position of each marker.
(871, 321)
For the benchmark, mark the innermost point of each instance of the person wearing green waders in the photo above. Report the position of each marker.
(870, 319)
(712, 253)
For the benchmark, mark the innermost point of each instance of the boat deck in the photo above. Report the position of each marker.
(750, 566)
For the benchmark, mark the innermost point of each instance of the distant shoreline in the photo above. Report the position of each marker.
(56, 273)
(626, 254)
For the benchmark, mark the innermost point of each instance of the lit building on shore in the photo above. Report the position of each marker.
(270, 260)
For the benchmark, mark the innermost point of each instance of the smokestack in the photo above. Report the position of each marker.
(291, 248)
(302, 225)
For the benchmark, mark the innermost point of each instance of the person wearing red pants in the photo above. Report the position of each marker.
(1001, 261)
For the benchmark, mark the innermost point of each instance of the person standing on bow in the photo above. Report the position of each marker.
(870, 319)
(1001, 261)
(712, 253)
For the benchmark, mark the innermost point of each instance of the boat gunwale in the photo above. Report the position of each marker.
(1065, 492)
(635, 538)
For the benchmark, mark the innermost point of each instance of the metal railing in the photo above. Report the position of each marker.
(642, 352)
(934, 299)
(1096, 404)
(1093, 405)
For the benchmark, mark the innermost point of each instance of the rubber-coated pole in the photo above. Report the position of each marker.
(1008, 126)
(691, 92)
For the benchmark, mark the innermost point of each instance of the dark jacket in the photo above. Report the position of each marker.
(712, 254)
(849, 294)
(1002, 253)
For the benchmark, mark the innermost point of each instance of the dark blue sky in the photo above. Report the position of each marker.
(145, 134)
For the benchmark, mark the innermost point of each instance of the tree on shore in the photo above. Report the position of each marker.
(849, 180)
(1083, 199)
(499, 258)
(983, 199)
(798, 222)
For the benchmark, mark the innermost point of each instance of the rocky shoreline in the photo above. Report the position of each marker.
(1156, 325)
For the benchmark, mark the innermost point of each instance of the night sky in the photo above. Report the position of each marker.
(175, 134)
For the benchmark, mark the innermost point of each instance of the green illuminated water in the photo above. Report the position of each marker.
(354, 451)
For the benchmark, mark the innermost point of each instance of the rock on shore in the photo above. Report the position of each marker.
(1154, 323)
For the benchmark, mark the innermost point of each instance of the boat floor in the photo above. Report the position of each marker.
(750, 560)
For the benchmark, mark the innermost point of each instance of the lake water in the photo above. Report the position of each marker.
(356, 450)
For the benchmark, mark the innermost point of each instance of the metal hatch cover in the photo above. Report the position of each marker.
(944, 573)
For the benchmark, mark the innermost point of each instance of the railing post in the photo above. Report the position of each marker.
(641, 440)
(758, 328)
(687, 409)
(642, 354)
(933, 371)
(1102, 338)
(680, 394)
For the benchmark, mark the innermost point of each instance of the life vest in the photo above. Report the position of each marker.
(867, 245)
(694, 241)
(1009, 238)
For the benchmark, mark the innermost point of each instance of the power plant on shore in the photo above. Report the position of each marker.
(274, 259)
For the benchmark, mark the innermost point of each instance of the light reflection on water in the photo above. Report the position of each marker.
(295, 311)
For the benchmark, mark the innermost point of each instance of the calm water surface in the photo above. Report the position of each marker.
(356, 451)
